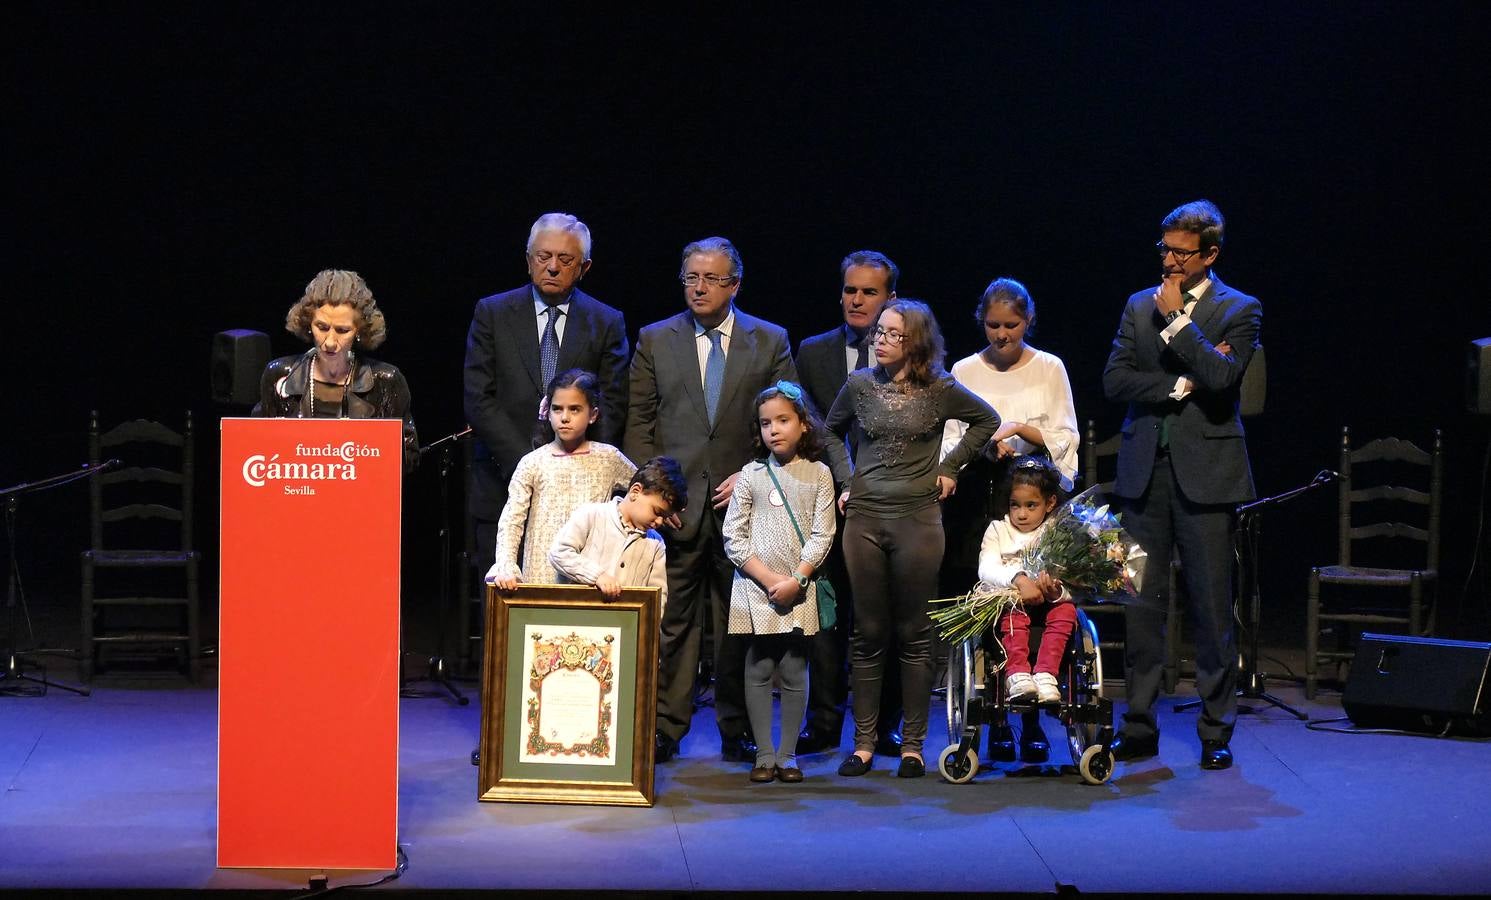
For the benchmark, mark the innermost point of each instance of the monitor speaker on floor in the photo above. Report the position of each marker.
(1419, 684)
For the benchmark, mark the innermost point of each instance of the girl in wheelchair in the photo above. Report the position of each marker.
(1033, 495)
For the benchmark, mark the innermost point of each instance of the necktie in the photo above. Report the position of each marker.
(863, 360)
(714, 373)
(548, 349)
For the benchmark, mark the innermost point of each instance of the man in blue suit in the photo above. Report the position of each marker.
(1178, 362)
(521, 339)
(694, 381)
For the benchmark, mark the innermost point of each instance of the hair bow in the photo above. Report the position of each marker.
(789, 390)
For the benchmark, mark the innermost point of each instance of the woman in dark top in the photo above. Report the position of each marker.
(893, 537)
(333, 380)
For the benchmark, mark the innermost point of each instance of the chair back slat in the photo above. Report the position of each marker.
(141, 511)
(1390, 530)
(141, 431)
(1390, 450)
(141, 474)
(1390, 492)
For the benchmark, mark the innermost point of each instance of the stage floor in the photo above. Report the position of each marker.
(118, 791)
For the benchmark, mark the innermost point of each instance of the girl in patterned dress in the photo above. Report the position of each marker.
(772, 598)
(553, 481)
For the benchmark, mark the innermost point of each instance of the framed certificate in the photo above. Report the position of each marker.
(569, 696)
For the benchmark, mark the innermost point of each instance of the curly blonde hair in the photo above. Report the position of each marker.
(336, 287)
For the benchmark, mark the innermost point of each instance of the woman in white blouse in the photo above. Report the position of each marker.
(1029, 387)
(1031, 390)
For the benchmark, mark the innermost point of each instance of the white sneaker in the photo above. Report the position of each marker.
(1046, 689)
(1020, 686)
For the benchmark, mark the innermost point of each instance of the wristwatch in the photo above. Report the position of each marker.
(802, 580)
(1172, 315)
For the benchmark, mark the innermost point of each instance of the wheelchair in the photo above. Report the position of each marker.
(977, 698)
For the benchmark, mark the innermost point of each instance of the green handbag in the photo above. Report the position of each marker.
(828, 606)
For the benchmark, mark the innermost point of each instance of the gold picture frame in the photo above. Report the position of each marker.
(569, 696)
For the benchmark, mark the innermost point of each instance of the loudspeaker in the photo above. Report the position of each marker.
(1418, 683)
(238, 359)
(1478, 377)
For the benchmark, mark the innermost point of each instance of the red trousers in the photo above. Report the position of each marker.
(1014, 632)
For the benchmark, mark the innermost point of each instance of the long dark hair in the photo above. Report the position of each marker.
(811, 445)
(582, 381)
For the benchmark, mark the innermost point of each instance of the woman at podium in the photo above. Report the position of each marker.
(338, 317)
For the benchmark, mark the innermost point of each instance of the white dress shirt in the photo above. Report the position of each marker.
(701, 342)
(540, 309)
(1180, 322)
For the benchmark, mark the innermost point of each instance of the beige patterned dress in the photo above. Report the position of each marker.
(547, 486)
(757, 525)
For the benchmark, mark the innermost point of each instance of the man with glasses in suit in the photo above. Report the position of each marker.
(1178, 361)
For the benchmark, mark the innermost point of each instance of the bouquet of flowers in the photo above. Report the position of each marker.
(1083, 547)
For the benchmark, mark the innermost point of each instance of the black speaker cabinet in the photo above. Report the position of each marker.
(1418, 684)
(238, 359)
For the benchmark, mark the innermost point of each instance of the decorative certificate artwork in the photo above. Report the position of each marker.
(569, 698)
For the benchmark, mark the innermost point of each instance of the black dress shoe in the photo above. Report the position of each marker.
(665, 749)
(763, 774)
(888, 744)
(1215, 755)
(853, 766)
(1126, 748)
(738, 749)
(1034, 749)
(789, 775)
(814, 741)
(1002, 743)
(911, 767)
(476, 757)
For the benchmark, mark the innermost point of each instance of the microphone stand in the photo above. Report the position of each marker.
(1253, 683)
(12, 678)
(436, 672)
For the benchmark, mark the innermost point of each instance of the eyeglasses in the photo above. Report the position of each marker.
(545, 257)
(890, 337)
(1180, 255)
(692, 279)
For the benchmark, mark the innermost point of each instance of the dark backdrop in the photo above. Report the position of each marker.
(181, 170)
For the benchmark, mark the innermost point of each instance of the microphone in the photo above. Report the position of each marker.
(107, 465)
(1327, 475)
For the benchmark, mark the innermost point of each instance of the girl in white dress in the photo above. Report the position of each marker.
(773, 598)
(553, 481)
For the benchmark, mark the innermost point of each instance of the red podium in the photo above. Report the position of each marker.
(308, 650)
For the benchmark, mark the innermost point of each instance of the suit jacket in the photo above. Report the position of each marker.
(1207, 450)
(503, 388)
(822, 364)
(665, 413)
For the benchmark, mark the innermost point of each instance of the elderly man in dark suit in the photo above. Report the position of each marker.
(518, 341)
(868, 282)
(694, 381)
(1178, 361)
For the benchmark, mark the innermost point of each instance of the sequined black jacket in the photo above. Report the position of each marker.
(378, 391)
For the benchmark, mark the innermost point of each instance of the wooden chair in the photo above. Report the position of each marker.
(1417, 549)
(143, 497)
(1095, 453)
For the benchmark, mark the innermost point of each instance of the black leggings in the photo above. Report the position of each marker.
(893, 568)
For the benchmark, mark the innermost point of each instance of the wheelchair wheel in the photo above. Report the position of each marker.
(1084, 683)
(957, 765)
(959, 691)
(1096, 764)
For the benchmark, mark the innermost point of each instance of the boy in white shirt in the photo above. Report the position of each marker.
(614, 544)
